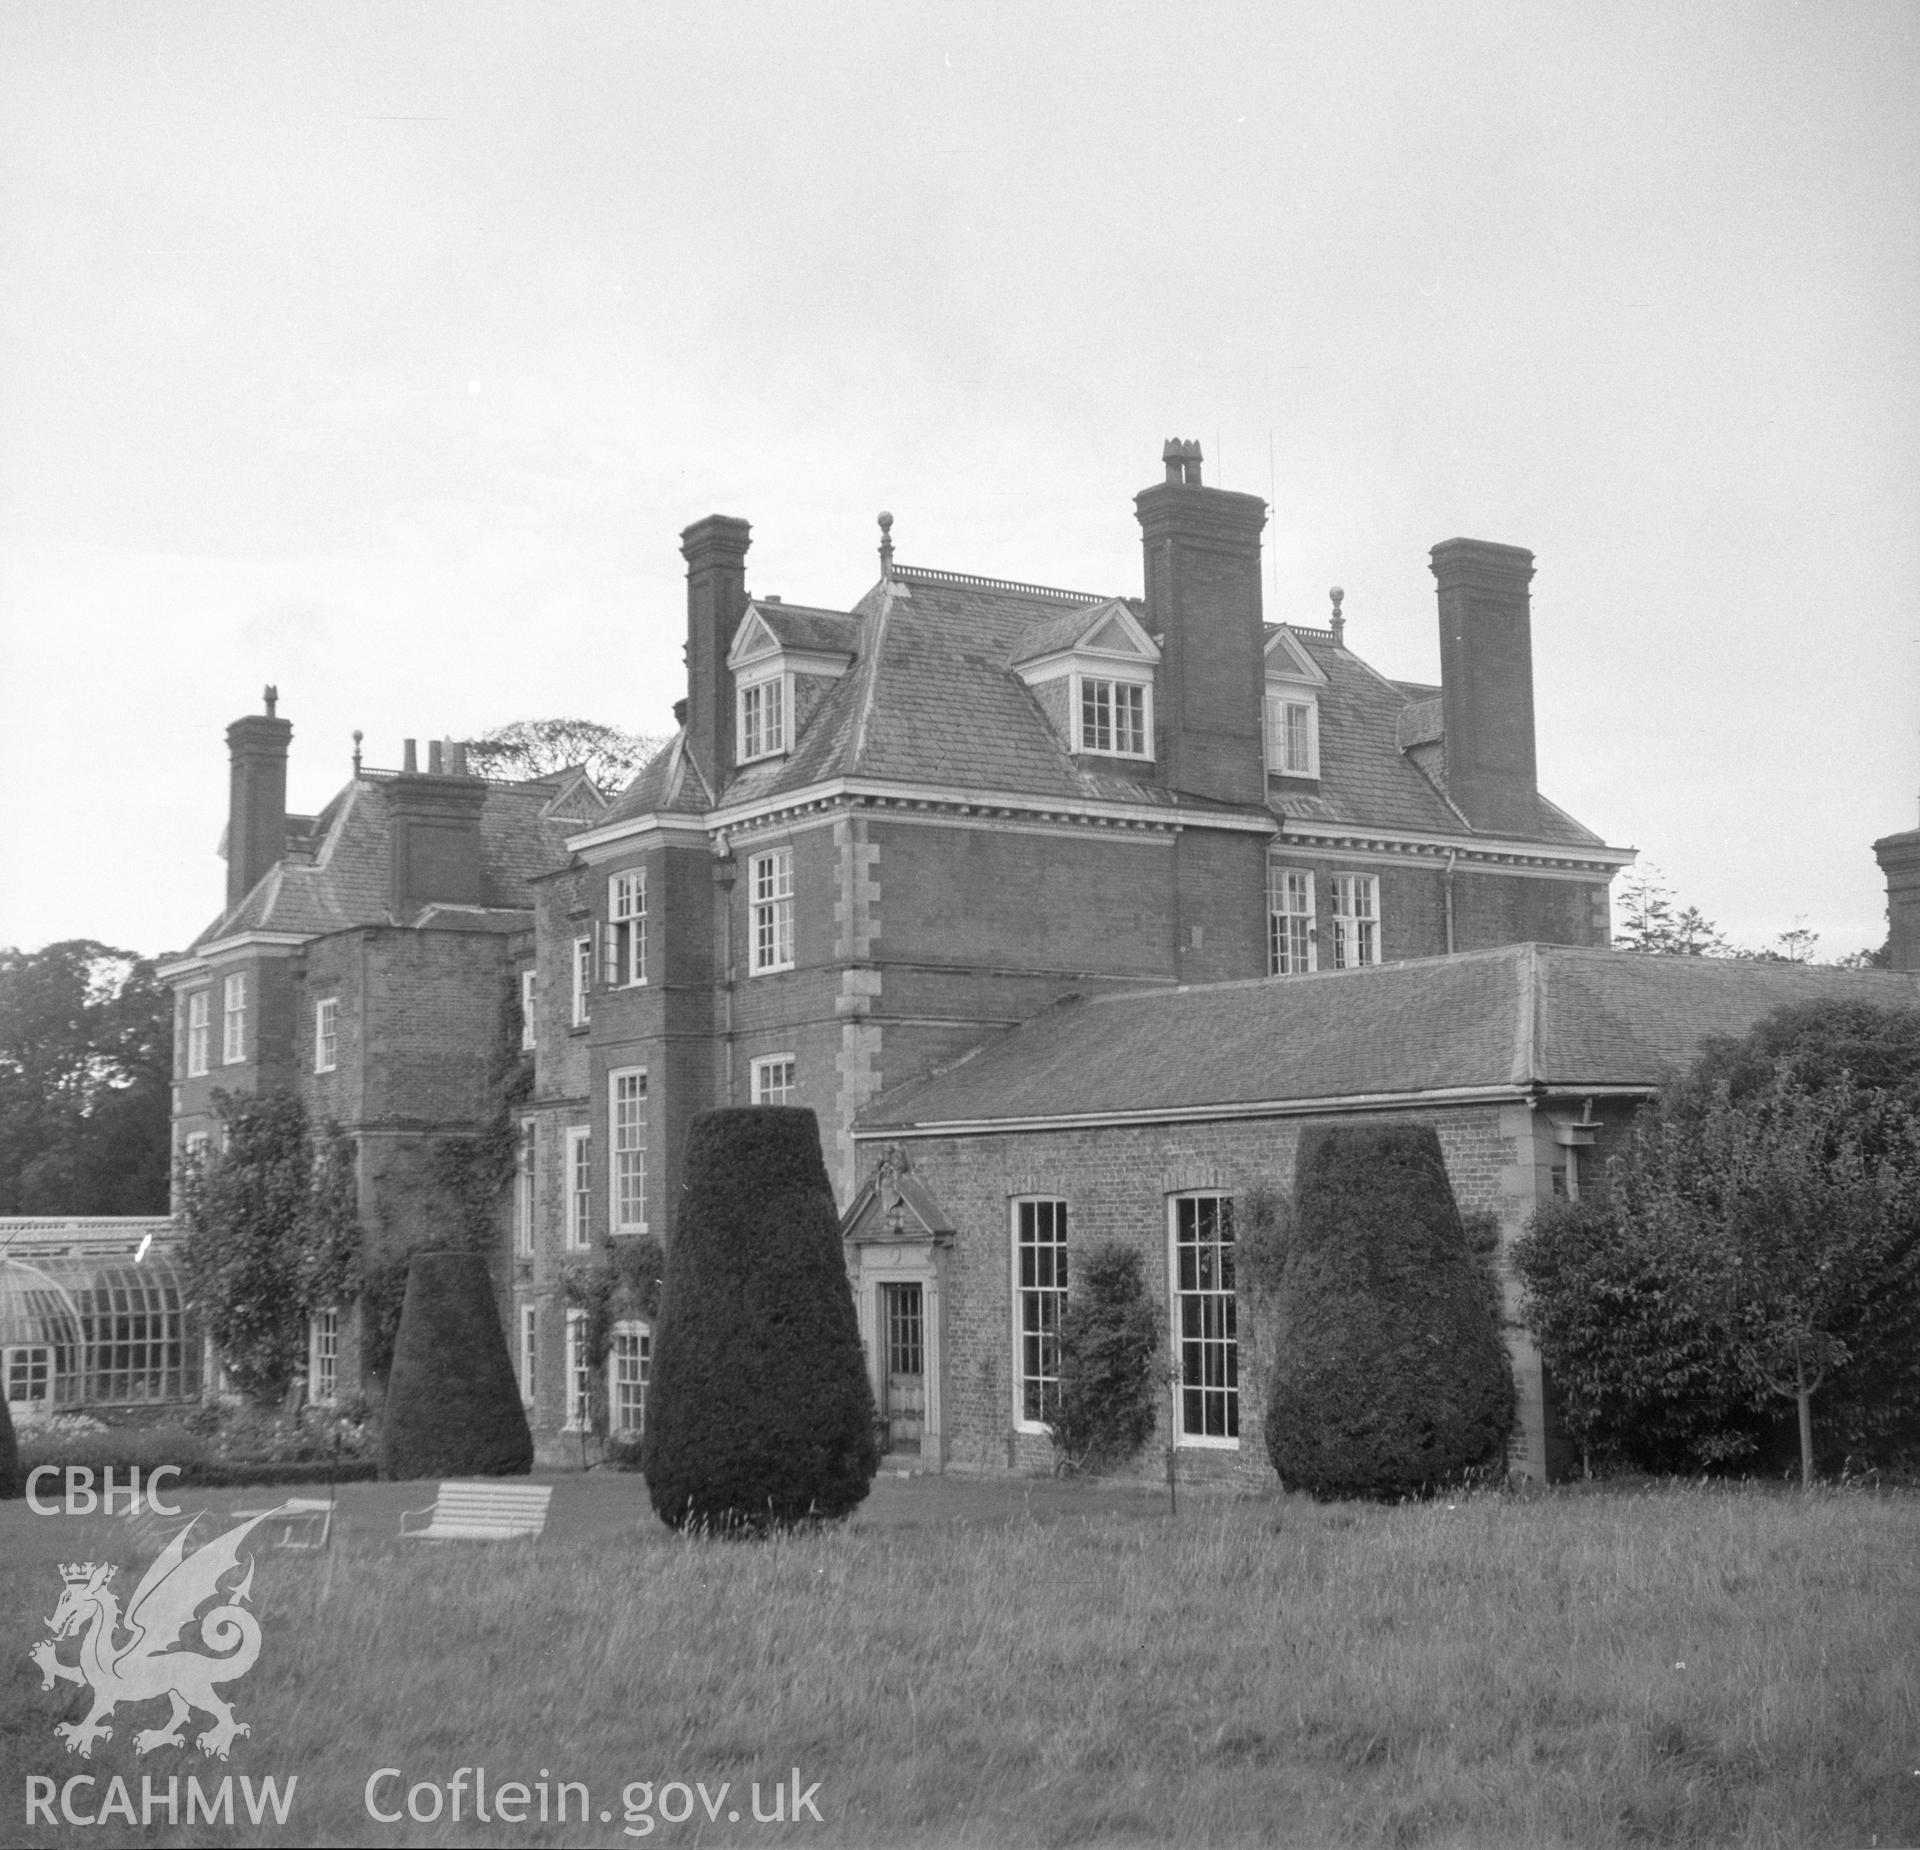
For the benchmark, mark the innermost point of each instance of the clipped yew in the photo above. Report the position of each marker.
(1109, 1344)
(453, 1407)
(759, 1413)
(1390, 1377)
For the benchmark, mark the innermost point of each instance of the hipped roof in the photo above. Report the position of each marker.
(1525, 1018)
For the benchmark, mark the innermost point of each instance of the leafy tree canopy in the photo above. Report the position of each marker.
(1876, 1044)
(85, 1069)
(539, 747)
(1760, 1241)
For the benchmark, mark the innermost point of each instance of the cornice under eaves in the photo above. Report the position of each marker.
(269, 943)
(1252, 1108)
(1479, 851)
(873, 793)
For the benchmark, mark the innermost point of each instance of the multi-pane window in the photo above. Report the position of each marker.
(627, 927)
(523, 1192)
(763, 719)
(1113, 717)
(582, 979)
(233, 1045)
(1356, 920)
(1204, 1327)
(773, 1080)
(323, 1356)
(1293, 746)
(629, 1370)
(579, 1377)
(579, 1183)
(1040, 1298)
(529, 1350)
(199, 1030)
(29, 1375)
(326, 1034)
(627, 1123)
(1290, 934)
(529, 997)
(770, 881)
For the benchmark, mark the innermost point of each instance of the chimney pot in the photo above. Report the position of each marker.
(1899, 858)
(257, 800)
(434, 760)
(1486, 683)
(456, 758)
(715, 550)
(409, 757)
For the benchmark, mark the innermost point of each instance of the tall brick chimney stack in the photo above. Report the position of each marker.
(257, 797)
(715, 550)
(1899, 858)
(1486, 683)
(1203, 602)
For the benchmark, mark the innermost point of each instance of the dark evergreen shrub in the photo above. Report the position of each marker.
(453, 1407)
(1390, 1377)
(759, 1412)
(9, 1455)
(1109, 1339)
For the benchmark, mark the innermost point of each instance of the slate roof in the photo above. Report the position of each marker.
(1522, 1016)
(932, 699)
(806, 626)
(345, 877)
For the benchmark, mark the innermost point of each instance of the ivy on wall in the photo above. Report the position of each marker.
(272, 1235)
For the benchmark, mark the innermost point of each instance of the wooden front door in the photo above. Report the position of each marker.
(903, 1333)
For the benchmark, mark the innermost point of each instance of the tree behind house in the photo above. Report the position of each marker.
(86, 1065)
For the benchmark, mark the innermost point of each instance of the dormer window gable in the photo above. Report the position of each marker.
(1093, 672)
(1294, 682)
(781, 662)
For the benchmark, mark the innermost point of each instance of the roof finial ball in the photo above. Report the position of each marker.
(886, 544)
(1338, 623)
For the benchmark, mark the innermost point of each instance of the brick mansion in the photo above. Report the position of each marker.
(1063, 910)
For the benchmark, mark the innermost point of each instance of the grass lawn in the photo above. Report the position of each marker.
(1027, 1662)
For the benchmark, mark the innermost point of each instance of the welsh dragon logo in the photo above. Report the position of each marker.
(149, 1664)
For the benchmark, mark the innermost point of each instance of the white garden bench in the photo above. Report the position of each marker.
(488, 1511)
(300, 1522)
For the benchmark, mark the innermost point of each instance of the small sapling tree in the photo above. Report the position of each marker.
(1109, 1363)
(760, 1413)
(1390, 1377)
(1795, 1219)
(453, 1407)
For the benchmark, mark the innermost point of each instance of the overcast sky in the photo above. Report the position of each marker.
(381, 351)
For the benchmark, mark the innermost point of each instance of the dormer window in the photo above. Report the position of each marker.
(1091, 668)
(763, 718)
(1113, 717)
(1293, 733)
(783, 657)
(1294, 681)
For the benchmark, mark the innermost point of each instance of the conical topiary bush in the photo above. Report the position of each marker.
(759, 1412)
(9, 1454)
(453, 1407)
(1390, 1377)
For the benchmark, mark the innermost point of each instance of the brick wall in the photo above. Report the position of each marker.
(1116, 1182)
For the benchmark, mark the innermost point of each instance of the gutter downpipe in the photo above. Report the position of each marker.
(1453, 854)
